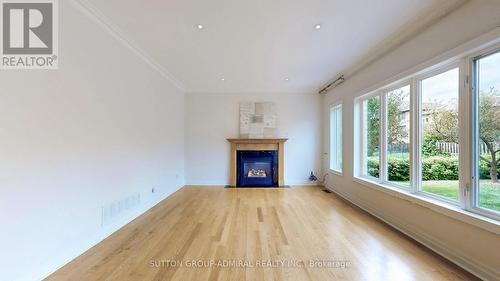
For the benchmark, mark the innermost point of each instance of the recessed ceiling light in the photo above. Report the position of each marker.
(199, 26)
(223, 79)
(317, 26)
(287, 79)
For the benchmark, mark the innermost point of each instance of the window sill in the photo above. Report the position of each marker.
(438, 206)
(337, 173)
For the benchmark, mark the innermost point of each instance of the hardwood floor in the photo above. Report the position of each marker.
(267, 234)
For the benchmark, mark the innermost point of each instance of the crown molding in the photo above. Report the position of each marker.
(414, 27)
(417, 25)
(106, 24)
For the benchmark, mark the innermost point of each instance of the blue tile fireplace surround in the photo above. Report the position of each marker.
(257, 168)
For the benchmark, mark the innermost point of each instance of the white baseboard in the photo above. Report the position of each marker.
(60, 259)
(457, 257)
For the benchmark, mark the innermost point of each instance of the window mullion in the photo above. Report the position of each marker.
(363, 143)
(335, 137)
(465, 133)
(333, 152)
(383, 138)
(416, 137)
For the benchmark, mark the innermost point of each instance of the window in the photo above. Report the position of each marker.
(440, 134)
(487, 135)
(336, 138)
(371, 137)
(385, 137)
(398, 136)
(436, 134)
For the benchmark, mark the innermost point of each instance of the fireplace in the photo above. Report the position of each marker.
(257, 163)
(257, 168)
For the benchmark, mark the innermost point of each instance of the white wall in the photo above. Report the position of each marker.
(468, 245)
(211, 118)
(103, 127)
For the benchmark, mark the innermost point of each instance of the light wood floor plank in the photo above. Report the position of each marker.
(248, 225)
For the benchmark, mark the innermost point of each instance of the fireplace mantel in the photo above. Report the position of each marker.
(256, 145)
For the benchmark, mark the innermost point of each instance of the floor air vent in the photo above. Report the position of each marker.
(327, 191)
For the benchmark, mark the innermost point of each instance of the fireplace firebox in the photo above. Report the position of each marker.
(257, 168)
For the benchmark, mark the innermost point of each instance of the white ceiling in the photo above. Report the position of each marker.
(256, 44)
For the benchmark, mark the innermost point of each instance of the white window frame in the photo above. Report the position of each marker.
(416, 133)
(472, 188)
(417, 168)
(332, 143)
(384, 125)
(361, 167)
(383, 159)
(467, 208)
